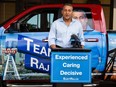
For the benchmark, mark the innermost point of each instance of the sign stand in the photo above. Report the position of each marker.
(70, 67)
(10, 69)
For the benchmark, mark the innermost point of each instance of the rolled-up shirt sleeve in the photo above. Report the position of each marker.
(52, 35)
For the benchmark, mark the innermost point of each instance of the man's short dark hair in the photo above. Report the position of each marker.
(68, 4)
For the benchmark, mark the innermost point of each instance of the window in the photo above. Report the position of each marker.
(84, 15)
(50, 19)
(37, 21)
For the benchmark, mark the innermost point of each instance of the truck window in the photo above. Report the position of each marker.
(36, 21)
(84, 15)
(39, 22)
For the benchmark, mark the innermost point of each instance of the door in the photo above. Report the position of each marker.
(26, 52)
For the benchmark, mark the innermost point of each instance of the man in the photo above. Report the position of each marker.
(62, 29)
(96, 65)
(81, 16)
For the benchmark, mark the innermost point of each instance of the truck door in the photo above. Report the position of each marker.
(26, 46)
(95, 39)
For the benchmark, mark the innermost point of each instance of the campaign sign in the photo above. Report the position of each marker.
(37, 64)
(71, 67)
(33, 46)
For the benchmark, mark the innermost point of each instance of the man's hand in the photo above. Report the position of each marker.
(53, 46)
(95, 71)
(82, 46)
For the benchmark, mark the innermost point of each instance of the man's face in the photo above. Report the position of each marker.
(80, 16)
(67, 12)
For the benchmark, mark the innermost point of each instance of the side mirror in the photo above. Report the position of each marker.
(14, 28)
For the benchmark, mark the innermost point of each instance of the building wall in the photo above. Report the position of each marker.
(107, 16)
(114, 16)
(7, 10)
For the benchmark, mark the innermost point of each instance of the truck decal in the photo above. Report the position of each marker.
(37, 64)
(33, 46)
